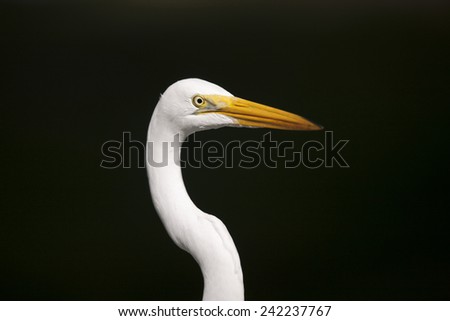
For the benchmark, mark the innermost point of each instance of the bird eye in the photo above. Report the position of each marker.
(198, 101)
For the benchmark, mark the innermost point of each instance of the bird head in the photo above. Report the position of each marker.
(195, 104)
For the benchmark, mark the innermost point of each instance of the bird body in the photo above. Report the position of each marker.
(188, 106)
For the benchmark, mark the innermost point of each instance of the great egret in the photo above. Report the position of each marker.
(188, 106)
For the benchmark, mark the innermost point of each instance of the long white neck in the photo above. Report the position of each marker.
(202, 235)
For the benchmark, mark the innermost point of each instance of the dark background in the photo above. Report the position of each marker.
(76, 74)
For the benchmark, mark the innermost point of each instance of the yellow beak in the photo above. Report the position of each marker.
(251, 114)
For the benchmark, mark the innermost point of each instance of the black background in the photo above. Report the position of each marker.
(77, 74)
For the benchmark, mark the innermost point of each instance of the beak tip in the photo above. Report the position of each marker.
(310, 126)
(317, 127)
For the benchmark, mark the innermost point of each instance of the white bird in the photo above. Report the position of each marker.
(188, 106)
